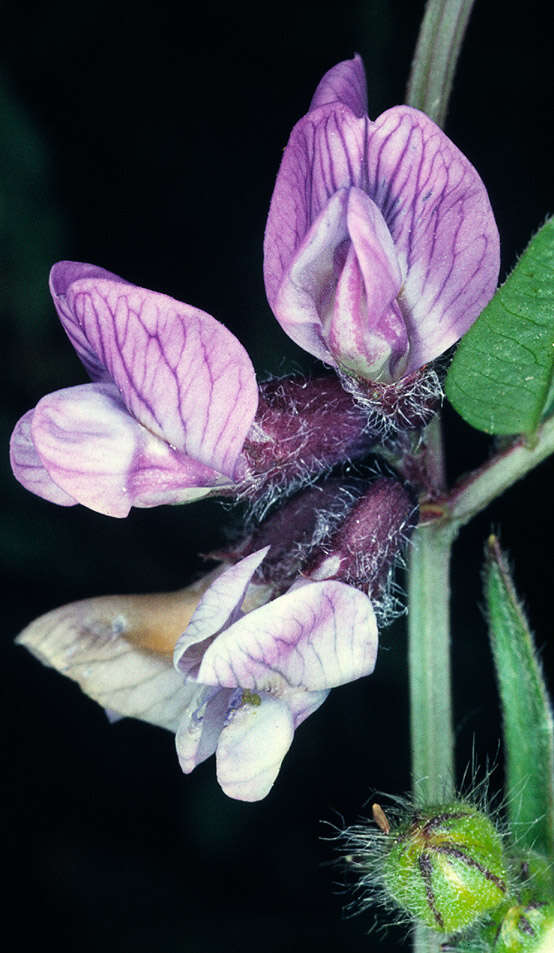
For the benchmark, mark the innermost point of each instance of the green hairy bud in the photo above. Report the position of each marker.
(444, 866)
(522, 928)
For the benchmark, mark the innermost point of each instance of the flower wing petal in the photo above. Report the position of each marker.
(308, 285)
(96, 452)
(251, 748)
(180, 372)
(344, 83)
(314, 637)
(364, 329)
(94, 641)
(439, 215)
(200, 726)
(28, 467)
(325, 153)
(219, 606)
(303, 704)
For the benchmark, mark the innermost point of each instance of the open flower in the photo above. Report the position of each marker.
(174, 412)
(381, 248)
(173, 396)
(243, 675)
(262, 673)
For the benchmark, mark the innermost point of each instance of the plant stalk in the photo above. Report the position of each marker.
(438, 47)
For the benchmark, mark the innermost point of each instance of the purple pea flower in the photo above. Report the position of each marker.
(173, 412)
(381, 247)
(172, 397)
(261, 674)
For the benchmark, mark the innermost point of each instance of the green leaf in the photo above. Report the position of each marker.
(527, 715)
(501, 374)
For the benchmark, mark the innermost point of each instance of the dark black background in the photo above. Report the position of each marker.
(146, 140)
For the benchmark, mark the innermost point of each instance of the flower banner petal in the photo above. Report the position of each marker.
(344, 83)
(219, 607)
(97, 643)
(441, 221)
(62, 276)
(180, 372)
(252, 746)
(315, 637)
(28, 468)
(96, 452)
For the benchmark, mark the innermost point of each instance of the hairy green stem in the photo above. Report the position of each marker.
(482, 486)
(438, 47)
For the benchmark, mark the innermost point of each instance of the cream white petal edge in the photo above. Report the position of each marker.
(119, 650)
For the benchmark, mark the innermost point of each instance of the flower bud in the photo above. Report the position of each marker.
(445, 866)
(363, 549)
(293, 530)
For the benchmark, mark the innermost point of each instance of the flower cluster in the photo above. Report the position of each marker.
(380, 251)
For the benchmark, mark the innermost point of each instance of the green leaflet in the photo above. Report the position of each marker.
(501, 374)
(527, 716)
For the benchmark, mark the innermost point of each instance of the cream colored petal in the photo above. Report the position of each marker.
(119, 650)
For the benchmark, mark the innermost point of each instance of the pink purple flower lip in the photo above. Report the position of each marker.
(381, 247)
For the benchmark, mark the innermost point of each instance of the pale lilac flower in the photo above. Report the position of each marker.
(173, 397)
(381, 248)
(260, 674)
(245, 673)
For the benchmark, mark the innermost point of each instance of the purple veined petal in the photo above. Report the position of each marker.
(325, 153)
(28, 468)
(180, 372)
(364, 329)
(303, 704)
(200, 726)
(314, 637)
(306, 294)
(92, 642)
(62, 276)
(344, 83)
(220, 606)
(438, 212)
(95, 451)
(252, 746)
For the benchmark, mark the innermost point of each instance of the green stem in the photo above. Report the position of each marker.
(429, 664)
(438, 47)
(498, 474)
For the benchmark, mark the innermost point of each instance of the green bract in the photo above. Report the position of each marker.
(445, 867)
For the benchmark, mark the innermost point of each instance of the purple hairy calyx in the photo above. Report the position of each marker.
(348, 532)
(294, 531)
(400, 406)
(366, 545)
(301, 429)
